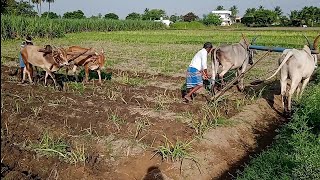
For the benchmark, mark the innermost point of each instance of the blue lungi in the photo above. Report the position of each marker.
(194, 77)
(21, 63)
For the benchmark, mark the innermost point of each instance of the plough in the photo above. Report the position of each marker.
(260, 48)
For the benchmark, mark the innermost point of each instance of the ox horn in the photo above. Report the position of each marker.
(315, 43)
(245, 39)
(254, 39)
(308, 41)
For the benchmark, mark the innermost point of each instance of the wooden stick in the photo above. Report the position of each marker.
(228, 86)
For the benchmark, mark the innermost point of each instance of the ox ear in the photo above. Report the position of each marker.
(102, 51)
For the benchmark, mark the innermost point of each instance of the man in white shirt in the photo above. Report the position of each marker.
(197, 71)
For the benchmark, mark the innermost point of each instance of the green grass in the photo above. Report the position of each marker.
(76, 87)
(164, 51)
(174, 151)
(295, 154)
(49, 146)
(117, 120)
(132, 81)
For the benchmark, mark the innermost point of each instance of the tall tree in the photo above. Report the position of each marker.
(211, 19)
(50, 15)
(13, 7)
(234, 10)
(310, 14)
(153, 14)
(190, 17)
(74, 15)
(133, 16)
(218, 8)
(174, 18)
(49, 2)
(250, 11)
(37, 3)
(111, 16)
(278, 11)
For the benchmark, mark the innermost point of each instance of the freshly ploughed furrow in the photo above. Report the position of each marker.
(120, 125)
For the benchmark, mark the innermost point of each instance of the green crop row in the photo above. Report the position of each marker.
(17, 27)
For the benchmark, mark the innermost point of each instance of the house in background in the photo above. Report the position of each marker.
(238, 19)
(164, 21)
(225, 17)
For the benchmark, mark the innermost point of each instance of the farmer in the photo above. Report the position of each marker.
(28, 41)
(197, 71)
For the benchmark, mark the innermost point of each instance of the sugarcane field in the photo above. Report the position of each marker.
(134, 98)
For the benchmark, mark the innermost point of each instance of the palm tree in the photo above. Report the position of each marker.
(278, 11)
(218, 8)
(37, 3)
(49, 1)
(234, 10)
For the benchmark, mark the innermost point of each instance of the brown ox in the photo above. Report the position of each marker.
(90, 60)
(48, 59)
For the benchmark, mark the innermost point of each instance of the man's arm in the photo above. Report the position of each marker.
(204, 65)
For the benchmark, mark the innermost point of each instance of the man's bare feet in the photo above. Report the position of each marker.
(187, 98)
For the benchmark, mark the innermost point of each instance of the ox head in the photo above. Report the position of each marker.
(100, 58)
(313, 49)
(246, 44)
(313, 46)
(58, 55)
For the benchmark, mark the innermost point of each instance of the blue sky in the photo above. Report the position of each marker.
(180, 7)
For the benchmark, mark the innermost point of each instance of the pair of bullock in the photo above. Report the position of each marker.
(52, 59)
(296, 65)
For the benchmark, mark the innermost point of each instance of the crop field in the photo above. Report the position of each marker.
(135, 125)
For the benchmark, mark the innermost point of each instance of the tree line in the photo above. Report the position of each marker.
(255, 17)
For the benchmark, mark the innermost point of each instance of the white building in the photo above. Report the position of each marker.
(166, 22)
(224, 16)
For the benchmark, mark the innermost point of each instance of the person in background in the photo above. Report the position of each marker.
(28, 41)
(197, 71)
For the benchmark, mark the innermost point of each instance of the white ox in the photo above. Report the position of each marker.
(234, 56)
(297, 65)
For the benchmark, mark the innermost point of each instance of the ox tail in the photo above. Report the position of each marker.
(287, 56)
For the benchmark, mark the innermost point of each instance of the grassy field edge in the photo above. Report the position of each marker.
(295, 152)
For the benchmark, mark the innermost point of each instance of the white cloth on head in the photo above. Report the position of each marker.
(199, 60)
